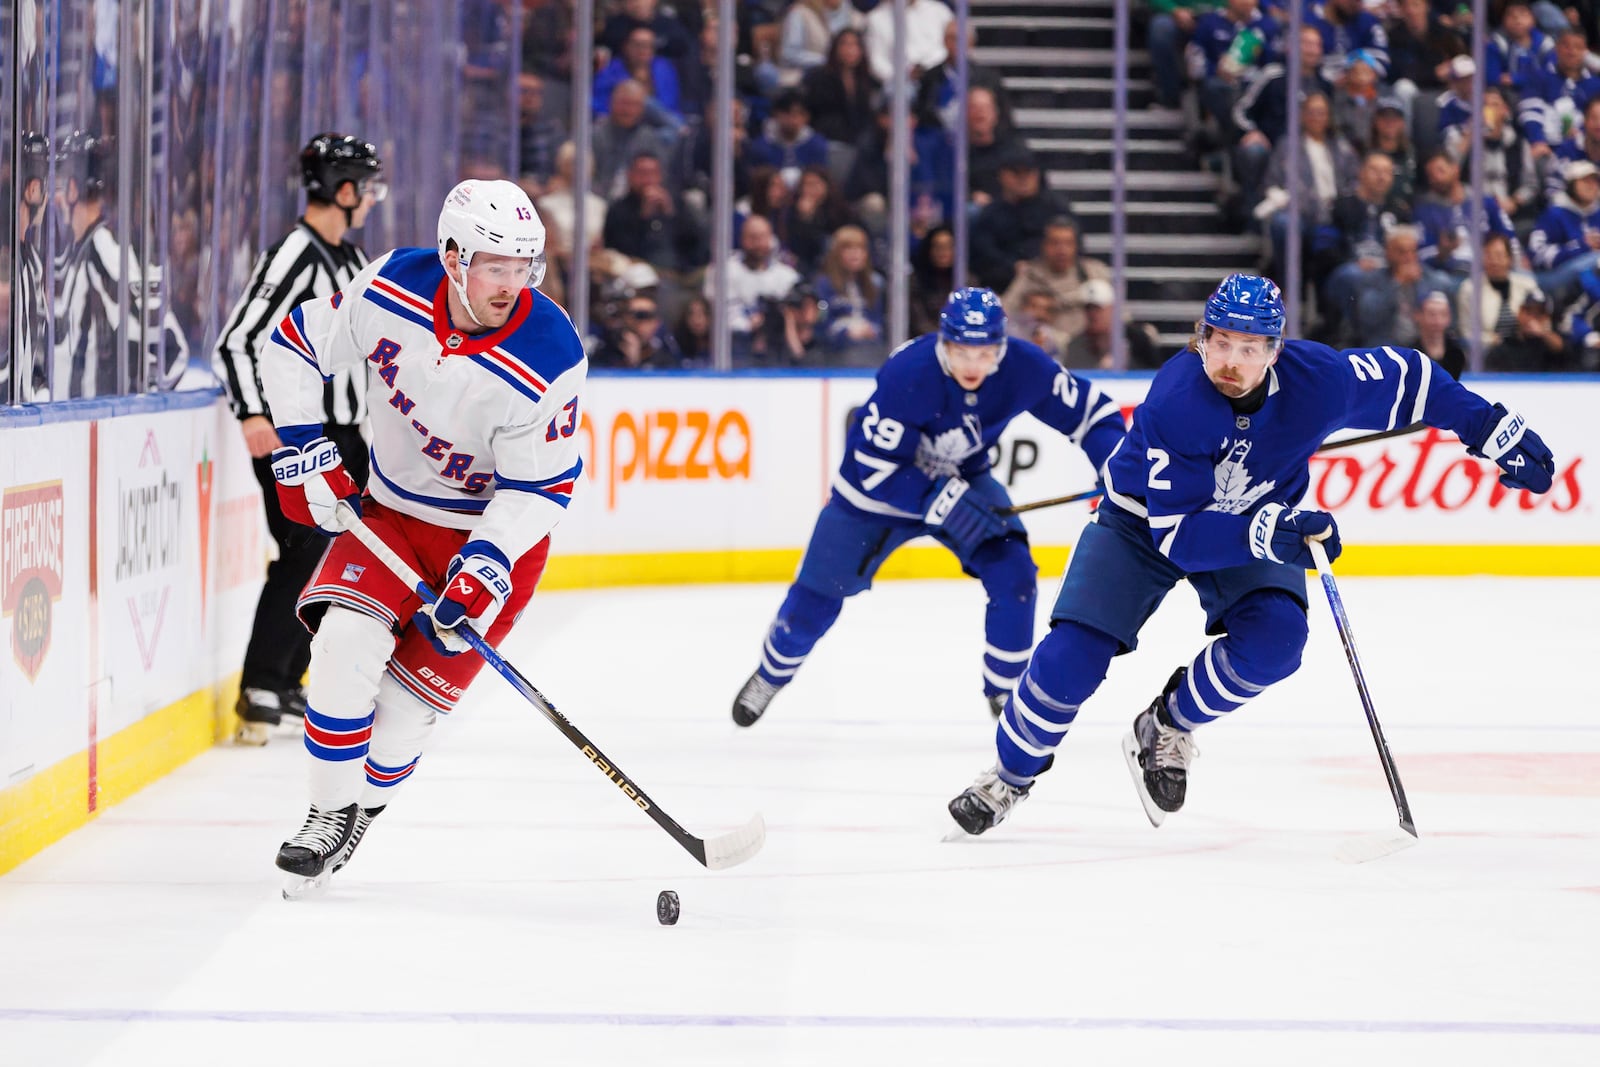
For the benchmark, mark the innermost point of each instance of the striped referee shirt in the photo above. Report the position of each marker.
(299, 268)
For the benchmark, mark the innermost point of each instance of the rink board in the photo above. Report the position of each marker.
(132, 545)
(696, 479)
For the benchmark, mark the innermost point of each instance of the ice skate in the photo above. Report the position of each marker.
(321, 847)
(997, 704)
(259, 710)
(293, 701)
(986, 802)
(1159, 755)
(753, 699)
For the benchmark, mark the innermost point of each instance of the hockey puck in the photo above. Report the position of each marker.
(667, 910)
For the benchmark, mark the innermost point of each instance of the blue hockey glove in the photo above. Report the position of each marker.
(965, 520)
(1279, 534)
(476, 585)
(1519, 452)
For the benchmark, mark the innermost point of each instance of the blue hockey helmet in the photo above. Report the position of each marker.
(973, 316)
(1245, 303)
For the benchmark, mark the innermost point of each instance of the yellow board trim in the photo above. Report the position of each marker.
(45, 807)
(933, 561)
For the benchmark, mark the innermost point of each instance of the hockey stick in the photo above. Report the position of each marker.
(1326, 446)
(1358, 851)
(715, 853)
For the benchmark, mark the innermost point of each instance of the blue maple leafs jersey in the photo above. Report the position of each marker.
(1196, 470)
(920, 426)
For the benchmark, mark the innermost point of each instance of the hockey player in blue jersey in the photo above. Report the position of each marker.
(916, 461)
(1206, 487)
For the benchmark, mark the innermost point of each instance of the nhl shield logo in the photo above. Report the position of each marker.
(453, 342)
(1242, 421)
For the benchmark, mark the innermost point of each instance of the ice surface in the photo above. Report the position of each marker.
(503, 910)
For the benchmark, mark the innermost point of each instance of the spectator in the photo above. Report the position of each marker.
(932, 278)
(557, 210)
(1328, 168)
(1552, 101)
(1514, 56)
(989, 141)
(1059, 271)
(789, 142)
(1346, 26)
(1508, 169)
(648, 223)
(841, 93)
(1455, 103)
(1092, 349)
(1387, 301)
(1261, 114)
(811, 217)
(1534, 345)
(1421, 47)
(866, 187)
(691, 337)
(697, 182)
(638, 62)
(1391, 136)
(637, 342)
(1219, 61)
(769, 197)
(1584, 143)
(1034, 321)
(1172, 23)
(1582, 324)
(757, 281)
(1504, 290)
(621, 135)
(850, 296)
(1435, 338)
(1011, 229)
(1445, 211)
(925, 23)
(936, 104)
(1362, 220)
(697, 76)
(809, 29)
(1566, 240)
(800, 341)
(671, 33)
(1355, 100)
(538, 136)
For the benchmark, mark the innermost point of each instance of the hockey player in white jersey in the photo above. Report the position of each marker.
(474, 382)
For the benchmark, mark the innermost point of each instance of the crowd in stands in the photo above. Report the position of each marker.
(1385, 212)
(1384, 164)
(811, 148)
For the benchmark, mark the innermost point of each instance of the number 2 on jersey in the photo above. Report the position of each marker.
(881, 432)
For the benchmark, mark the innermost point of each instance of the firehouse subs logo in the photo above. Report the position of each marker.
(31, 565)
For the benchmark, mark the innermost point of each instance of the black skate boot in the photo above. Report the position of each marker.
(752, 701)
(293, 702)
(1159, 754)
(986, 802)
(997, 704)
(259, 710)
(364, 819)
(320, 848)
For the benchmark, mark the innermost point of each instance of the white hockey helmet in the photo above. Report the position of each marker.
(495, 217)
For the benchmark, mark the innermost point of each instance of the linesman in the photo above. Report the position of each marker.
(341, 175)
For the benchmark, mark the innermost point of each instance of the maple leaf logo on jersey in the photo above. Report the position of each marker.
(942, 456)
(1234, 493)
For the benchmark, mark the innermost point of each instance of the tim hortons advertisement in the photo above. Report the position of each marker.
(150, 562)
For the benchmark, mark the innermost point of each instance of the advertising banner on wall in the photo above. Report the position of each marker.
(150, 563)
(44, 524)
(728, 465)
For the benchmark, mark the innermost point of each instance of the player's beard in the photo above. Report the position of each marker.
(493, 317)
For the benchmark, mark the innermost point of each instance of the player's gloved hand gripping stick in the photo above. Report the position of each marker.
(714, 853)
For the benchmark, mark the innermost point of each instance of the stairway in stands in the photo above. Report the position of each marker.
(1056, 59)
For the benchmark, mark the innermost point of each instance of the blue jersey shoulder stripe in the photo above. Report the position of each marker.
(394, 306)
(506, 376)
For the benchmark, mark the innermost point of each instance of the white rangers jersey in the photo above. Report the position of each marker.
(470, 432)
